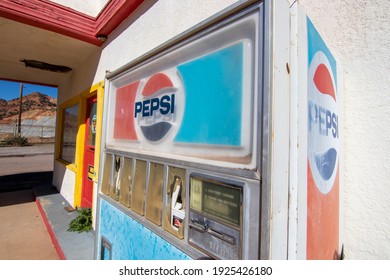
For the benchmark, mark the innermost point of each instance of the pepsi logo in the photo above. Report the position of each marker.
(158, 106)
(323, 123)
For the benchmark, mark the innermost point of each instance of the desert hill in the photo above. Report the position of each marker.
(34, 106)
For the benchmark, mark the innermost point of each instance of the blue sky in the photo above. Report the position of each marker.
(10, 90)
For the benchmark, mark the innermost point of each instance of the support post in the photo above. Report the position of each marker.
(20, 110)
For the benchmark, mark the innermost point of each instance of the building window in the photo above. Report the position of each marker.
(69, 133)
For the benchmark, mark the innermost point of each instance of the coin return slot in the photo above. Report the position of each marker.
(229, 239)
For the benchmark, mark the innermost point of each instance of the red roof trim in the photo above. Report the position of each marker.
(113, 14)
(60, 19)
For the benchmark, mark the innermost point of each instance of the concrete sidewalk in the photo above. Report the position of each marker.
(53, 208)
(34, 220)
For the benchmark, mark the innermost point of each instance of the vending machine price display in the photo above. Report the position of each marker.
(217, 199)
(215, 217)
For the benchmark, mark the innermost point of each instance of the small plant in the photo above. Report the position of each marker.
(19, 141)
(83, 222)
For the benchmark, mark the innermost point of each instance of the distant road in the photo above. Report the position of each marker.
(24, 167)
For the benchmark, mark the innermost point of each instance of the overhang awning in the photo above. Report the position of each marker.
(66, 21)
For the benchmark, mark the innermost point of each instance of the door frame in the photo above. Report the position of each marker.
(98, 91)
(85, 168)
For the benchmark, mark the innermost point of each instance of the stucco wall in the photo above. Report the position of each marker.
(357, 32)
(152, 25)
(64, 180)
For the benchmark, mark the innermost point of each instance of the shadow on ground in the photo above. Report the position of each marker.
(24, 181)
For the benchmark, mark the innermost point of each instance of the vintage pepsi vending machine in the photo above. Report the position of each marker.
(224, 143)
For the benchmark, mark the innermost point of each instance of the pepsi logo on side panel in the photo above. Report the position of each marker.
(323, 123)
(159, 106)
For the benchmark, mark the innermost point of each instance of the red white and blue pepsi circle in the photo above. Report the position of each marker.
(158, 108)
(323, 123)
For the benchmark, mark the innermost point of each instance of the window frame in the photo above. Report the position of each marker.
(63, 108)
